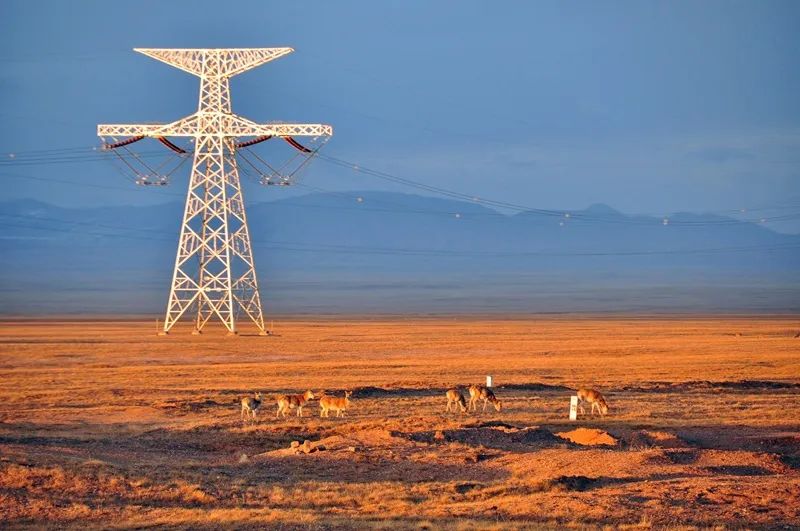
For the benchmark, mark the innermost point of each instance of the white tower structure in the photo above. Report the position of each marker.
(214, 273)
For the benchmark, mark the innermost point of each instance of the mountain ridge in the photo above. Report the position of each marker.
(327, 252)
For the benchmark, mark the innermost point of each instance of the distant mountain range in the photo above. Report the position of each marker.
(397, 253)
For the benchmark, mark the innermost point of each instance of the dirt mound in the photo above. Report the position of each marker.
(653, 439)
(373, 437)
(784, 443)
(365, 440)
(787, 446)
(739, 470)
(574, 483)
(682, 457)
(499, 436)
(185, 407)
(492, 424)
(370, 391)
(588, 437)
(217, 440)
(534, 386)
(707, 385)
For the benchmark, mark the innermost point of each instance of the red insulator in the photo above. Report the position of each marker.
(170, 145)
(252, 141)
(125, 142)
(297, 145)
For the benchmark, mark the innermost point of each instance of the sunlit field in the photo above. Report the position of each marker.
(107, 425)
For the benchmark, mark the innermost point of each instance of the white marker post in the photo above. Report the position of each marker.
(488, 381)
(573, 407)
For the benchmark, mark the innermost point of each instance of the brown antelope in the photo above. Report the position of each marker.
(287, 402)
(593, 397)
(250, 406)
(339, 405)
(481, 392)
(454, 397)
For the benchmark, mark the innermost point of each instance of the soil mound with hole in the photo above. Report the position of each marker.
(589, 437)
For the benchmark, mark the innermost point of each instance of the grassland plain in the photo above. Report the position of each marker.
(105, 425)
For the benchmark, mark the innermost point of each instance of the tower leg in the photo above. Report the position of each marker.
(214, 267)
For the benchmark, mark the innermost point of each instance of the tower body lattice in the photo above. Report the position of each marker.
(214, 273)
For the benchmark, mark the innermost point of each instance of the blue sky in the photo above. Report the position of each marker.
(649, 107)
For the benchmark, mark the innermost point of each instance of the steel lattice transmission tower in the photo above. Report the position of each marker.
(214, 269)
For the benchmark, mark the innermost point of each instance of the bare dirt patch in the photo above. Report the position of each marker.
(589, 437)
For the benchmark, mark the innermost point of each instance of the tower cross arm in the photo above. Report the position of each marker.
(187, 126)
(218, 62)
(214, 124)
(282, 130)
(121, 130)
(238, 126)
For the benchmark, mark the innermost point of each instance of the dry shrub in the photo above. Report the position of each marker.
(193, 494)
(16, 477)
(58, 483)
(76, 511)
(644, 523)
(38, 479)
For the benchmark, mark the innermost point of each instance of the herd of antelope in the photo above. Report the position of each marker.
(252, 404)
(455, 401)
(476, 393)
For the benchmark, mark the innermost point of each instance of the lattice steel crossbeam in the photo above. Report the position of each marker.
(232, 61)
(228, 125)
(214, 268)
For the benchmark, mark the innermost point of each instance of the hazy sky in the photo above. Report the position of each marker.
(646, 106)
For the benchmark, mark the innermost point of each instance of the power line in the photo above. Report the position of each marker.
(87, 185)
(73, 155)
(284, 202)
(363, 202)
(371, 250)
(71, 159)
(526, 209)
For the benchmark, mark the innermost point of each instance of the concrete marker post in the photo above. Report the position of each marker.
(573, 407)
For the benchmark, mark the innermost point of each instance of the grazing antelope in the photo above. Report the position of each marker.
(454, 397)
(339, 405)
(287, 402)
(250, 406)
(593, 397)
(481, 392)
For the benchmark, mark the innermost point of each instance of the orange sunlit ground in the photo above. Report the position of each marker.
(107, 423)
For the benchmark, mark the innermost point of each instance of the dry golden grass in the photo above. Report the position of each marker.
(107, 425)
